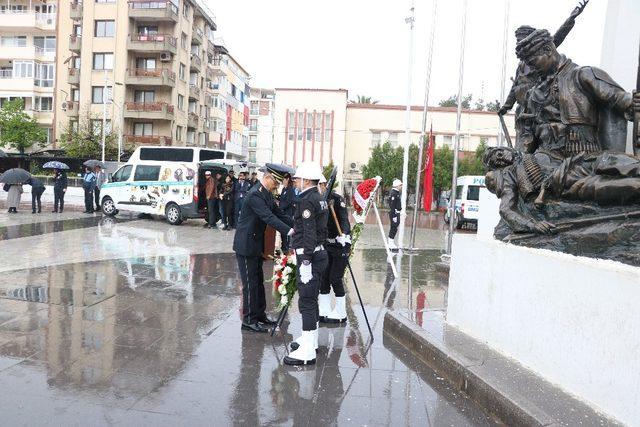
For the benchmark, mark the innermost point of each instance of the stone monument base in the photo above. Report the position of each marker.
(573, 320)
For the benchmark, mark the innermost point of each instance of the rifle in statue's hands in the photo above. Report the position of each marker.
(636, 114)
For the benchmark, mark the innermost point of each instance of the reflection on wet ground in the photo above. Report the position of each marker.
(16, 231)
(155, 340)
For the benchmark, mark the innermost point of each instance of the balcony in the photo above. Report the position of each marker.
(75, 43)
(151, 77)
(72, 108)
(76, 11)
(74, 76)
(156, 11)
(211, 49)
(194, 92)
(148, 110)
(196, 63)
(209, 73)
(148, 140)
(198, 36)
(193, 120)
(28, 18)
(152, 43)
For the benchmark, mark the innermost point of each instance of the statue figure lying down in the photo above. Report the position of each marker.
(518, 179)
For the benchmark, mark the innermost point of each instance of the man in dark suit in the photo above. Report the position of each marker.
(240, 189)
(258, 210)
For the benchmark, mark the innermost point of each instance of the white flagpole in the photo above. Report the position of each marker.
(405, 163)
(503, 83)
(454, 179)
(423, 131)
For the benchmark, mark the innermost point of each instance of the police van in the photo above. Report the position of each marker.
(164, 181)
(467, 200)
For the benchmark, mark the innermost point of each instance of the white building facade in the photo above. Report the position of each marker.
(261, 116)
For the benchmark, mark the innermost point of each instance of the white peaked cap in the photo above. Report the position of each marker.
(309, 170)
(323, 180)
(397, 183)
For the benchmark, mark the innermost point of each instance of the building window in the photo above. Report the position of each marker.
(77, 30)
(143, 129)
(13, 41)
(105, 1)
(309, 126)
(104, 28)
(318, 126)
(393, 138)
(146, 63)
(75, 62)
(447, 140)
(179, 133)
(182, 70)
(328, 126)
(375, 139)
(191, 136)
(181, 102)
(98, 96)
(147, 29)
(193, 107)
(103, 61)
(186, 8)
(253, 141)
(96, 125)
(44, 74)
(252, 156)
(300, 125)
(484, 140)
(45, 44)
(292, 125)
(183, 41)
(23, 69)
(254, 125)
(44, 103)
(255, 108)
(75, 95)
(144, 96)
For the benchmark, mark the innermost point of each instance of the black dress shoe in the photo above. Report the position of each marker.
(266, 321)
(296, 362)
(54, 211)
(255, 327)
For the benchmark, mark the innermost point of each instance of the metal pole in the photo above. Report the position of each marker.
(405, 163)
(104, 114)
(454, 179)
(423, 131)
(503, 81)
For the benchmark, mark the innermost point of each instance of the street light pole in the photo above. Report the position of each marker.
(405, 164)
(454, 178)
(104, 114)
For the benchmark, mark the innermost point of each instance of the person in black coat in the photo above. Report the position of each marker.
(37, 188)
(258, 210)
(59, 190)
(287, 205)
(395, 207)
(241, 187)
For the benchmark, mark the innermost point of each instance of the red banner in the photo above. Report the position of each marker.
(427, 189)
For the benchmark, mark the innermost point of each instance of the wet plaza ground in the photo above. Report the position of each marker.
(135, 322)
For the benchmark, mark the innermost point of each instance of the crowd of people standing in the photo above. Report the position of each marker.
(225, 197)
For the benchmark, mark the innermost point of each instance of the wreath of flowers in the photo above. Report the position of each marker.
(284, 279)
(362, 198)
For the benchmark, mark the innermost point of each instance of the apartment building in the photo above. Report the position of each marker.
(27, 57)
(149, 66)
(261, 115)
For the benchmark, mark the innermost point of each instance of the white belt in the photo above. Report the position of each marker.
(331, 240)
(300, 251)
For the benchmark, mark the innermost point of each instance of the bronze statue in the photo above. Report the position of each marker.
(526, 77)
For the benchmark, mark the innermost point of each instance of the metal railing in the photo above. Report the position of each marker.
(149, 106)
(152, 72)
(154, 38)
(146, 4)
(148, 139)
(6, 74)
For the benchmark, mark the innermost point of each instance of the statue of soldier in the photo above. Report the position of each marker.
(572, 109)
(526, 77)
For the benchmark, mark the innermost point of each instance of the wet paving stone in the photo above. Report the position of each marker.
(156, 340)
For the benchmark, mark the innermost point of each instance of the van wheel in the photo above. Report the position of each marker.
(173, 214)
(108, 207)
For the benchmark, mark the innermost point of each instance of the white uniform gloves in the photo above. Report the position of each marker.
(305, 272)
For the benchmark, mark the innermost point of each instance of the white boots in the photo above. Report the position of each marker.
(306, 352)
(392, 244)
(324, 306)
(296, 343)
(339, 313)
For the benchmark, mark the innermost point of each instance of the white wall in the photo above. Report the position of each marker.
(573, 320)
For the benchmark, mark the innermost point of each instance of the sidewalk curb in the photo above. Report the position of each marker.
(482, 385)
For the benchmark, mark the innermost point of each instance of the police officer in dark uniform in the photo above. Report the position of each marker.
(310, 225)
(395, 207)
(258, 210)
(338, 249)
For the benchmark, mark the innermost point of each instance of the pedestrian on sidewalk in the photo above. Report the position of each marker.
(101, 178)
(310, 225)
(395, 207)
(219, 182)
(227, 200)
(241, 187)
(89, 186)
(211, 194)
(287, 200)
(59, 190)
(37, 188)
(14, 196)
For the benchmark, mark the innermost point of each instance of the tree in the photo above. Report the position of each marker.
(472, 165)
(386, 162)
(326, 171)
(493, 106)
(17, 129)
(479, 105)
(442, 169)
(85, 142)
(361, 99)
(452, 101)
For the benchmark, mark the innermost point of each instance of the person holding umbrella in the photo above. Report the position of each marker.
(101, 178)
(37, 188)
(59, 183)
(89, 185)
(13, 180)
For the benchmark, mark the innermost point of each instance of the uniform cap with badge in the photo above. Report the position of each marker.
(277, 170)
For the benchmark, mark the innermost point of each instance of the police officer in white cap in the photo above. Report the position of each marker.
(395, 207)
(310, 225)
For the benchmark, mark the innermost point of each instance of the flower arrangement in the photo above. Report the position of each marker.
(362, 198)
(284, 279)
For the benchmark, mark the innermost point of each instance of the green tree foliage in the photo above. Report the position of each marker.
(442, 169)
(493, 106)
(17, 129)
(85, 142)
(386, 162)
(472, 165)
(361, 99)
(452, 101)
(326, 171)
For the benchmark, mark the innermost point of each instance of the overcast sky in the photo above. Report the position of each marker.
(362, 45)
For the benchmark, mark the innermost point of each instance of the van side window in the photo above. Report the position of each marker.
(473, 193)
(122, 174)
(211, 155)
(166, 154)
(147, 173)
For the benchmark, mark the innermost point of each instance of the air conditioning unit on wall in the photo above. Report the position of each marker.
(355, 167)
(165, 56)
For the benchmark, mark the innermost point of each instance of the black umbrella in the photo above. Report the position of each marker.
(93, 163)
(15, 176)
(54, 164)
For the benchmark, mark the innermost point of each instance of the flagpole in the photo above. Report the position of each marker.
(405, 161)
(503, 82)
(454, 178)
(423, 131)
